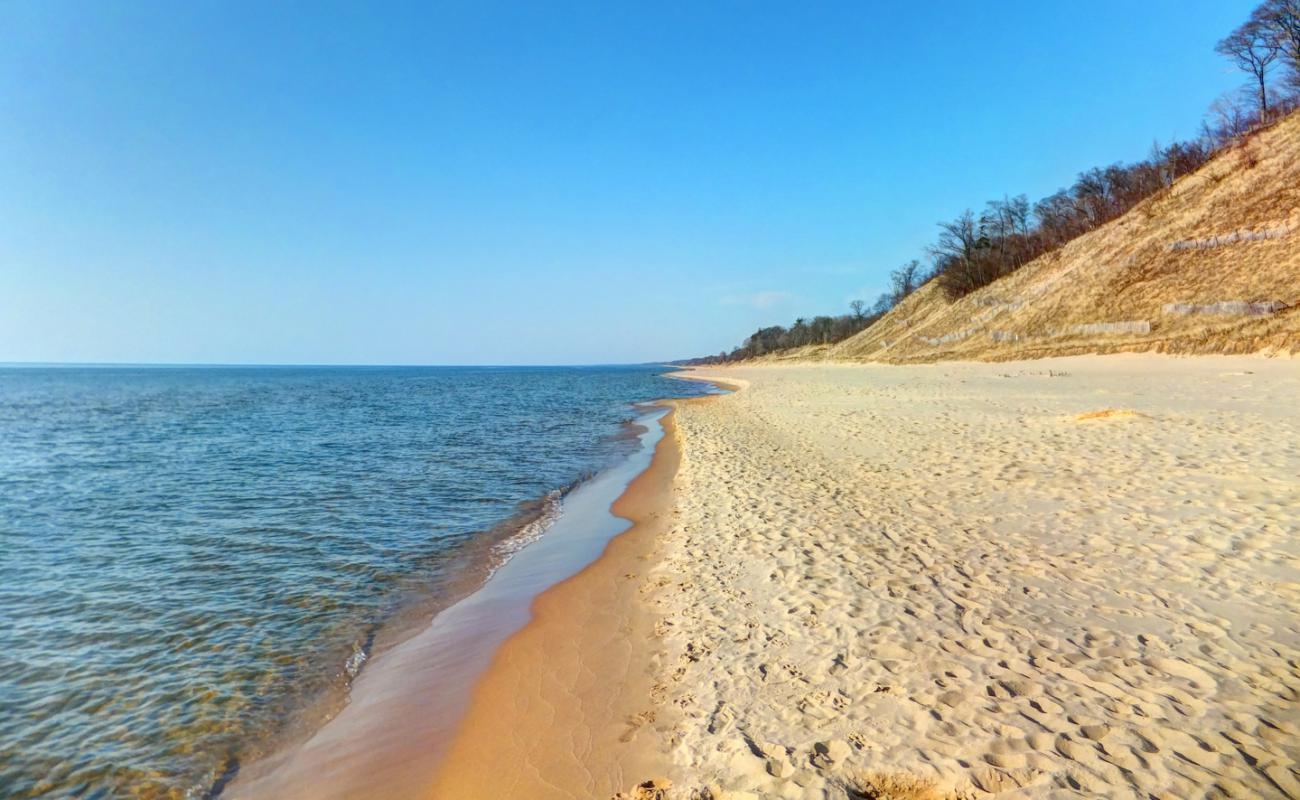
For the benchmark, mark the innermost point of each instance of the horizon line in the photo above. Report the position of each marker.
(289, 365)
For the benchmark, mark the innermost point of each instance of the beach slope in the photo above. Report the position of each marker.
(566, 709)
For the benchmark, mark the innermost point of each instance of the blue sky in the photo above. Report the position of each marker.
(537, 182)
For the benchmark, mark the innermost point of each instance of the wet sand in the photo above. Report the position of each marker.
(565, 710)
(404, 707)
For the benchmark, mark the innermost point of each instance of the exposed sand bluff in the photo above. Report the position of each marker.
(1075, 577)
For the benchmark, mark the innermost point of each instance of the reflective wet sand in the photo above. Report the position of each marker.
(404, 707)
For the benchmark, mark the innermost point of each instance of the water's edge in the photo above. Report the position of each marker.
(199, 562)
(474, 562)
(390, 730)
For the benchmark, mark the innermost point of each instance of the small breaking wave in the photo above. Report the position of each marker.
(531, 531)
(352, 667)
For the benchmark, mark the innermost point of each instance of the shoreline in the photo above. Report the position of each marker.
(475, 560)
(566, 701)
(387, 739)
(938, 582)
(830, 592)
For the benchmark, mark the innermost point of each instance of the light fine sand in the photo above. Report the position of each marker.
(1065, 578)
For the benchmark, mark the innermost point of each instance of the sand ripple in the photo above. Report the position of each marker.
(935, 581)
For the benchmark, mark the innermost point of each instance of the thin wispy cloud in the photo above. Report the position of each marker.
(766, 299)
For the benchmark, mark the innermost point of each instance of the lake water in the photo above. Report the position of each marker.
(195, 560)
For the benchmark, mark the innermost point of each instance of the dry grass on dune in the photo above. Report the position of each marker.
(1127, 272)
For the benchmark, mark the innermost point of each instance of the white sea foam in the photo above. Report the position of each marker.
(552, 506)
(355, 661)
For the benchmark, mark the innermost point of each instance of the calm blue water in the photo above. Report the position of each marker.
(189, 556)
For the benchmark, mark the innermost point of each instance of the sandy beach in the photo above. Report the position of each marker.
(567, 708)
(650, 401)
(409, 708)
(1060, 578)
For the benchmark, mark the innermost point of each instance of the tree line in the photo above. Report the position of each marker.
(978, 248)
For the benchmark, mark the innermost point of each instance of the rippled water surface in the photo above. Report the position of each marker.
(188, 556)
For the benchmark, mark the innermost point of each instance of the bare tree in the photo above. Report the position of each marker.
(1253, 47)
(1230, 118)
(957, 255)
(1056, 218)
(859, 310)
(821, 329)
(905, 280)
(799, 334)
(1282, 17)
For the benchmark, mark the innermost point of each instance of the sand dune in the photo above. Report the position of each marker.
(1209, 265)
(1040, 579)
